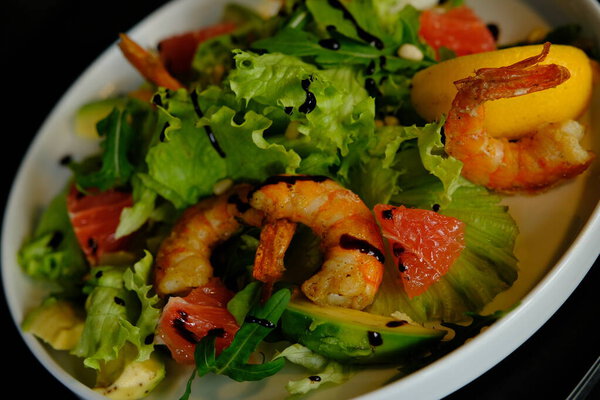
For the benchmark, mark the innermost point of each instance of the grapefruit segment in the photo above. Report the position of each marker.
(424, 244)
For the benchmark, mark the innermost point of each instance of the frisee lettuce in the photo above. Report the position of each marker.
(120, 310)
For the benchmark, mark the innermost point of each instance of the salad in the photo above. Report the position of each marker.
(275, 194)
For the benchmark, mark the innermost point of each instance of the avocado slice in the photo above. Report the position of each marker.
(353, 336)
(57, 322)
(88, 115)
(136, 381)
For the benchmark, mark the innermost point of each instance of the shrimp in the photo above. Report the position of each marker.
(350, 237)
(183, 259)
(531, 163)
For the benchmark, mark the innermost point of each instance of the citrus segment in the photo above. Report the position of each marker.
(458, 29)
(424, 244)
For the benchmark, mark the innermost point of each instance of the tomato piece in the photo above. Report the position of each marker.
(186, 320)
(177, 52)
(424, 244)
(95, 218)
(458, 29)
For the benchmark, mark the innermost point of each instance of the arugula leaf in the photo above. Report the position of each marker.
(124, 134)
(233, 361)
(242, 302)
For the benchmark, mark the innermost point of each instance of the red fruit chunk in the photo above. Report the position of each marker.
(177, 52)
(424, 244)
(458, 29)
(186, 320)
(95, 218)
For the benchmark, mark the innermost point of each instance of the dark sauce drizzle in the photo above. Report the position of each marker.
(330, 44)
(216, 332)
(315, 378)
(149, 339)
(397, 249)
(162, 137)
(370, 68)
(436, 207)
(494, 30)
(375, 338)
(157, 100)
(395, 323)
(93, 245)
(371, 87)
(56, 239)
(260, 321)
(387, 214)
(207, 128)
(288, 110)
(401, 267)
(364, 35)
(349, 242)
(180, 324)
(65, 160)
(311, 101)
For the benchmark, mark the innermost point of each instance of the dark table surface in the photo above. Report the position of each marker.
(47, 44)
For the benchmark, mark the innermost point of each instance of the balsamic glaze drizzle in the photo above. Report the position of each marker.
(395, 323)
(207, 128)
(349, 242)
(375, 338)
(364, 35)
(371, 87)
(260, 321)
(180, 324)
(56, 239)
(162, 137)
(330, 44)
(370, 68)
(387, 214)
(311, 101)
(397, 249)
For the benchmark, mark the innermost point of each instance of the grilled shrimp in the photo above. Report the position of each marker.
(183, 259)
(350, 238)
(531, 163)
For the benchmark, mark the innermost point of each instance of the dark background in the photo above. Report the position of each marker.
(46, 45)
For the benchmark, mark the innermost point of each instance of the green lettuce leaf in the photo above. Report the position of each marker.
(119, 311)
(342, 116)
(197, 148)
(321, 369)
(52, 253)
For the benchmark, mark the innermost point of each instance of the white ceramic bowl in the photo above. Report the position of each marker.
(557, 251)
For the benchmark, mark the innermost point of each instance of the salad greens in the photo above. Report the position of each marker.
(304, 92)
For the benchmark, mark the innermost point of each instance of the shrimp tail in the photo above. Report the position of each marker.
(275, 238)
(518, 79)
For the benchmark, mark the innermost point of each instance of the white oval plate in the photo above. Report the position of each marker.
(560, 230)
